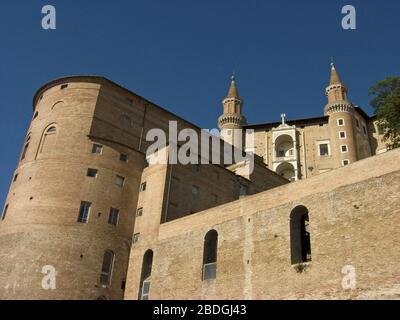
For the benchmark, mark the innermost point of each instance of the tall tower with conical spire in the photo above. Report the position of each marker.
(232, 119)
(341, 119)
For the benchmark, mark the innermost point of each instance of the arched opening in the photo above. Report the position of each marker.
(107, 268)
(210, 255)
(286, 170)
(284, 146)
(145, 278)
(48, 139)
(300, 243)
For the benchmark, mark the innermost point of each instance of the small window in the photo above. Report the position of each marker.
(123, 285)
(345, 162)
(114, 216)
(24, 151)
(340, 122)
(124, 119)
(357, 123)
(35, 115)
(3, 216)
(84, 212)
(64, 86)
(343, 148)
(51, 130)
(135, 238)
(364, 130)
(123, 157)
(107, 268)
(97, 148)
(92, 173)
(243, 190)
(342, 135)
(229, 132)
(119, 181)
(195, 190)
(139, 212)
(15, 177)
(323, 149)
(143, 187)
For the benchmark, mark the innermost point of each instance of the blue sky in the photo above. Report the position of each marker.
(180, 55)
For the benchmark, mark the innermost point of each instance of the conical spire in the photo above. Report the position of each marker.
(233, 91)
(335, 79)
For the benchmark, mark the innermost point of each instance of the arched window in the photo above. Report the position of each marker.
(48, 139)
(107, 268)
(145, 278)
(210, 255)
(300, 244)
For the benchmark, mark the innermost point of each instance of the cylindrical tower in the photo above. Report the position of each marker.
(341, 121)
(69, 215)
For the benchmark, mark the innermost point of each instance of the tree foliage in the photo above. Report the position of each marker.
(386, 102)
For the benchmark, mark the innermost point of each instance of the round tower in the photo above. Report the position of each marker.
(341, 121)
(66, 229)
(231, 121)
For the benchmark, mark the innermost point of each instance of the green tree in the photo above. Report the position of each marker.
(386, 102)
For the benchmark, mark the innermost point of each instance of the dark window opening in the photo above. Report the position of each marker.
(123, 157)
(145, 278)
(24, 151)
(97, 148)
(120, 181)
(113, 217)
(300, 243)
(3, 216)
(135, 238)
(210, 255)
(143, 187)
(323, 149)
(64, 86)
(139, 212)
(92, 173)
(107, 267)
(15, 177)
(84, 212)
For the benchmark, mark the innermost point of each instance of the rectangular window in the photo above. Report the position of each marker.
(143, 187)
(119, 181)
(195, 190)
(345, 162)
(243, 190)
(139, 212)
(3, 216)
(340, 122)
(342, 135)
(97, 148)
(64, 86)
(107, 268)
(113, 217)
(123, 157)
(357, 123)
(343, 148)
(84, 212)
(145, 290)
(364, 130)
(323, 149)
(15, 177)
(91, 173)
(135, 238)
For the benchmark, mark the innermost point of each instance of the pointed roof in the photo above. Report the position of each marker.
(335, 79)
(233, 91)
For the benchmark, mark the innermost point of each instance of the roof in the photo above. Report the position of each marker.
(290, 122)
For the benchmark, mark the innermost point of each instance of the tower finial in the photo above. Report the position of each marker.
(332, 64)
(233, 92)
